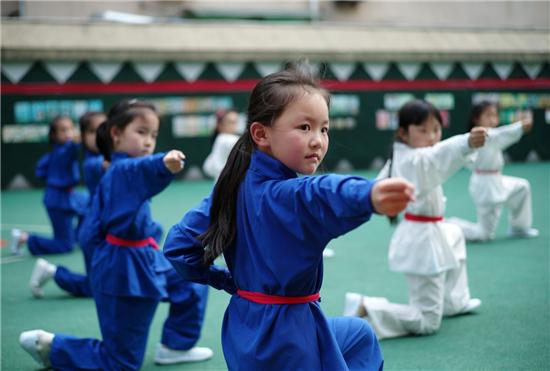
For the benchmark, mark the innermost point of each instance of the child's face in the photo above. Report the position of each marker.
(139, 137)
(488, 118)
(229, 123)
(64, 130)
(89, 135)
(424, 135)
(299, 137)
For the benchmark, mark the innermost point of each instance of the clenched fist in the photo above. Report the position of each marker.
(477, 138)
(527, 124)
(174, 161)
(391, 196)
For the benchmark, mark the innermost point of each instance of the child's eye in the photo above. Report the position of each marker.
(305, 127)
(324, 130)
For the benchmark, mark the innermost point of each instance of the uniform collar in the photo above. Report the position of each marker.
(90, 154)
(265, 165)
(119, 156)
(400, 146)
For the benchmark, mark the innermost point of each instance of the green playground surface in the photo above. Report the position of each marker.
(511, 330)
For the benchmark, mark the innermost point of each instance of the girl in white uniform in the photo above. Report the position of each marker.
(225, 138)
(491, 190)
(430, 252)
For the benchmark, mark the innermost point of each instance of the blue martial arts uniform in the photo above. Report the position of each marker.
(59, 168)
(78, 284)
(283, 224)
(129, 281)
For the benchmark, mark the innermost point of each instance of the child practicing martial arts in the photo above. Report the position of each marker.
(272, 225)
(93, 169)
(225, 137)
(59, 168)
(129, 274)
(430, 252)
(489, 188)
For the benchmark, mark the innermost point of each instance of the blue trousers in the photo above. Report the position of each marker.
(358, 343)
(63, 234)
(76, 284)
(125, 322)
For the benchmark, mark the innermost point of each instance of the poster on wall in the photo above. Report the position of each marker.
(190, 105)
(344, 109)
(193, 116)
(394, 101)
(31, 118)
(515, 106)
(37, 112)
(387, 118)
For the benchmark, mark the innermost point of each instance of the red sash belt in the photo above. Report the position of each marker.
(423, 218)
(486, 172)
(258, 297)
(113, 240)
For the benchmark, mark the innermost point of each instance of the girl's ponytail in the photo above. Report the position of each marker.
(222, 229)
(104, 141)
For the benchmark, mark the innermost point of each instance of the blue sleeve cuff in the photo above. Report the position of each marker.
(161, 168)
(369, 198)
(220, 278)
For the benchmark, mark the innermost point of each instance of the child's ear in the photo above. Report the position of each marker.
(403, 135)
(258, 132)
(115, 134)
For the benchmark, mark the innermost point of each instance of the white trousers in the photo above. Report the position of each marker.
(430, 298)
(518, 202)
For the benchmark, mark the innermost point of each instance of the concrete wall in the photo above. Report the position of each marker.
(469, 14)
(515, 14)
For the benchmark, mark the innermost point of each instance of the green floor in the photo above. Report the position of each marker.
(511, 331)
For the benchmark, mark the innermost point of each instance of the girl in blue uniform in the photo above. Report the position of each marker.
(93, 167)
(129, 274)
(272, 226)
(59, 168)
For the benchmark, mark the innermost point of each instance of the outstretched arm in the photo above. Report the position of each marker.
(505, 136)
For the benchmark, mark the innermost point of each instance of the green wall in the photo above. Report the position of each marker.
(360, 145)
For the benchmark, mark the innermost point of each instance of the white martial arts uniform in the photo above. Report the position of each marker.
(214, 163)
(432, 255)
(491, 190)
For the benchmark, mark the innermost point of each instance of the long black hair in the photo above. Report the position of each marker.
(120, 115)
(476, 112)
(414, 112)
(267, 102)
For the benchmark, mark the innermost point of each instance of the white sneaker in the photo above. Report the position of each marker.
(38, 344)
(15, 246)
(352, 304)
(472, 305)
(43, 271)
(523, 233)
(167, 356)
(328, 253)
